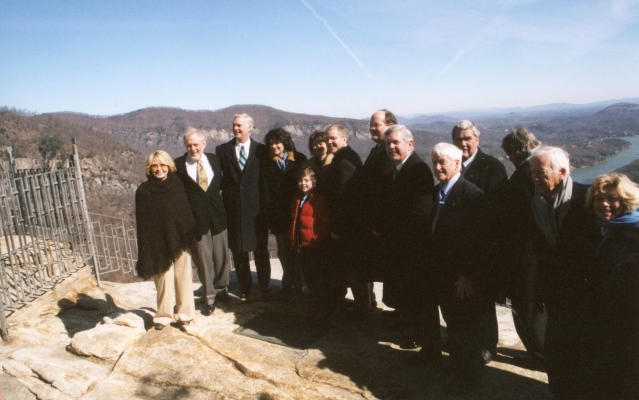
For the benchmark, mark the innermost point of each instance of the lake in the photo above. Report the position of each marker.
(624, 157)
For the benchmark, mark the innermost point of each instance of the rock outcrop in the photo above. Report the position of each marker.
(86, 342)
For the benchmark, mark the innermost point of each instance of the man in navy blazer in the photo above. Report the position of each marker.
(243, 193)
(201, 175)
(457, 227)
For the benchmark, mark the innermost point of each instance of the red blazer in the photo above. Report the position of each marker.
(314, 223)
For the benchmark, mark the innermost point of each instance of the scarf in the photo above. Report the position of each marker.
(549, 217)
(630, 220)
(165, 225)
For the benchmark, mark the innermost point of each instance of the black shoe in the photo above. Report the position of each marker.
(486, 355)
(244, 296)
(208, 309)
(222, 297)
(199, 292)
(410, 344)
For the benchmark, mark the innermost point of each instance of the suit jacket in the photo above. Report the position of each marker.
(243, 193)
(281, 187)
(207, 207)
(458, 239)
(487, 173)
(339, 187)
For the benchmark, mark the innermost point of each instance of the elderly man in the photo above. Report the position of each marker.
(340, 190)
(489, 175)
(242, 161)
(404, 227)
(201, 175)
(566, 242)
(457, 226)
(517, 232)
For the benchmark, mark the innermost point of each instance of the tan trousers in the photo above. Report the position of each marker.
(175, 292)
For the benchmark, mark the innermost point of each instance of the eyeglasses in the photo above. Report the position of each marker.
(155, 167)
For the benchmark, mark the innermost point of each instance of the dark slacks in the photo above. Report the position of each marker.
(212, 264)
(463, 328)
(530, 324)
(291, 272)
(262, 263)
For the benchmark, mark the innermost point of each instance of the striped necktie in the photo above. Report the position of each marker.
(202, 178)
(242, 159)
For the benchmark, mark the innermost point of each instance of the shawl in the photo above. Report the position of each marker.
(165, 223)
(549, 218)
(630, 220)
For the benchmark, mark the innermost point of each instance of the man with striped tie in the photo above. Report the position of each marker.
(242, 161)
(201, 175)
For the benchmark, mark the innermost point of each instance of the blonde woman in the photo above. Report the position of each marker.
(613, 289)
(166, 234)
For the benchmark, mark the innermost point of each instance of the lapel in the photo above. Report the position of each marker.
(401, 175)
(230, 150)
(474, 167)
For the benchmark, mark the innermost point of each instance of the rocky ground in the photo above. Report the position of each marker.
(87, 342)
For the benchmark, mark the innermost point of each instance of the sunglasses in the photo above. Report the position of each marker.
(155, 167)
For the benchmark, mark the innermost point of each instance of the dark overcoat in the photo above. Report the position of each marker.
(404, 225)
(207, 207)
(243, 194)
(487, 173)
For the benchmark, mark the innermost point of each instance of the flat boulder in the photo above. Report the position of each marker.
(105, 341)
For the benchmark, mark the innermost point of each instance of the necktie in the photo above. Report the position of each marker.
(440, 203)
(242, 159)
(202, 178)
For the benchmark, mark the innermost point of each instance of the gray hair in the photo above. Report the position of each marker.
(403, 131)
(247, 118)
(463, 125)
(558, 157)
(193, 131)
(447, 150)
(339, 128)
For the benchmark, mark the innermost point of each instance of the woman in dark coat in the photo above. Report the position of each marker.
(166, 232)
(321, 158)
(613, 290)
(280, 178)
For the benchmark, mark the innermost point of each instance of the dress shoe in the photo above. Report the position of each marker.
(182, 324)
(410, 344)
(244, 296)
(486, 355)
(222, 297)
(158, 326)
(208, 309)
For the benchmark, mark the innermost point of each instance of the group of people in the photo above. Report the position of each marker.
(567, 255)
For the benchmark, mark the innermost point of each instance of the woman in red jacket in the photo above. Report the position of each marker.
(309, 231)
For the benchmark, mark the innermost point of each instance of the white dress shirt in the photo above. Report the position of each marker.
(191, 168)
(238, 146)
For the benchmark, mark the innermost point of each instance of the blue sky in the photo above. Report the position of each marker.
(335, 57)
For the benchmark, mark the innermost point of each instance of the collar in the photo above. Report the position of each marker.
(470, 159)
(449, 185)
(401, 164)
(246, 145)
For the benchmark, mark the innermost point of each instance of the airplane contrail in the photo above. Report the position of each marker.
(450, 64)
(359, 63)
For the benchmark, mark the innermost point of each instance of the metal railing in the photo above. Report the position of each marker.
(116, 247)
(45, 232)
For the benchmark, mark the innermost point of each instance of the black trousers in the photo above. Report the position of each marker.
(464, 334)
(530, 324)
(262, 263)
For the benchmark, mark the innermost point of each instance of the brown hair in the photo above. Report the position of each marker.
(308, 171)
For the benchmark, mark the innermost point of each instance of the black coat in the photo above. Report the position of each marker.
(207, 207)
(404, 224)
(281, 187)
(339, 187)
(487, 173)
(371, 181)
(563, 267)
(243, 194)
(613, 317)
(458, 239)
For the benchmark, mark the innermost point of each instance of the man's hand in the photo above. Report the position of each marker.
(464, 288)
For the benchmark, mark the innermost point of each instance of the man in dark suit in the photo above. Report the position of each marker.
(201, 175)
(566, 242)
(339, 187)
(376, 167)
(243, 195)
(457, 226)
(489, 175)
(404, 227)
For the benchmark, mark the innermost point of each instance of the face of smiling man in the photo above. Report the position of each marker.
(397, 148)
